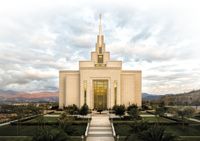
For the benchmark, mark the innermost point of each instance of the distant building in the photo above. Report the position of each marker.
(100, 82)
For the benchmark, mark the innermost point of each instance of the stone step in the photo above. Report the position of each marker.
(100, 130)
(103, 127)
(100, 135)
(98, 125)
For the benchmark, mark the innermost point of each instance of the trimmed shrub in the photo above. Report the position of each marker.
(119, 110)
(72, 109)
(84, 109)
(133, 111)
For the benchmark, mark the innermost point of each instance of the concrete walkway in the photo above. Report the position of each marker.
(193, 119)
(100, 128)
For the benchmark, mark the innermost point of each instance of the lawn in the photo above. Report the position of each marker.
(190, 138)
(124, 129)
(154, 119)
(197, 117)
(45, 119)
(77, 129)
(11, 130)
(191, 130)
(28, 138)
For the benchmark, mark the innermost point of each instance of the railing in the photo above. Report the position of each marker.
(87, 129)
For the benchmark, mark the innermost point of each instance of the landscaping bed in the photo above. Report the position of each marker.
(124, 129)
(77, 129)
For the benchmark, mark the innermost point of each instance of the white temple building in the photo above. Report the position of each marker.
(100, 82)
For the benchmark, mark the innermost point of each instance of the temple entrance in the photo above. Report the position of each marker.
(100, 94)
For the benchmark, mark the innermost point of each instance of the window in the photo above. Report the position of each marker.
(100, 58)
(100, 94)
(100, 50)
(85, 91)
(115, 91)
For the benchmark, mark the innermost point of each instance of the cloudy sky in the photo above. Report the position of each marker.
(40, 37)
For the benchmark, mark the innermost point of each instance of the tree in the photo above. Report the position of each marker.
(84, 109)
(189, 111)
(160, 111)
(185, 112)
(133, 111)
(119, 110)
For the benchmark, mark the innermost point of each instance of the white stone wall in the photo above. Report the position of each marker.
(131, 87)
(69, 89)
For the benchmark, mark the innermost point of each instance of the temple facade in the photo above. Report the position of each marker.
(100, 82)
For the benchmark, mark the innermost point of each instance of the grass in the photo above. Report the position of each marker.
(154, 119)
(192, 130)
(124, 129)
(14, 138)
(197, 117)
(11, 130)
(190, 138)
(28, 138)
(46, 119)
(24, 130)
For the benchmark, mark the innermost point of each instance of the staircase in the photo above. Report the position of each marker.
(100, 128)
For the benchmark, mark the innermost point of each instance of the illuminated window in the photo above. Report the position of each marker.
(100, 94)
(100, 58)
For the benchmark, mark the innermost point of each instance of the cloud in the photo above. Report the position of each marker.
(39, 38)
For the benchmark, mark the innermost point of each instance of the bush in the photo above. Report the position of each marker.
(146, 107)
(119, 110)
(84, 109)
(114, 108)
(133, 111)
(144, 132)
(160, 111)
(46, 134)
(132, 106)
(156, 133)
(72, 109)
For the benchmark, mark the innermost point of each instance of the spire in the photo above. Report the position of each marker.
(100, 36)
(100, 26)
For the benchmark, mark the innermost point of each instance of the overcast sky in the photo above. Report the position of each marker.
(40, 37)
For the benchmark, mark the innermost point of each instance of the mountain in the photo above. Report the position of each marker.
(13, 96)
(147, 97)
(189, 98)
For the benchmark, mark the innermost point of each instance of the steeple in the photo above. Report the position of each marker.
(100, 56)
(100, 26)
(100, 38)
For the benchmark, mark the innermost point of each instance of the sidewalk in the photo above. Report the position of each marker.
(100, 128)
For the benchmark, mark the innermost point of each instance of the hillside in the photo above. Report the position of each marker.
(13, 96)
(189, 98)
(147, 97)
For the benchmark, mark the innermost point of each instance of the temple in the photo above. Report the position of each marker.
(100, 82)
